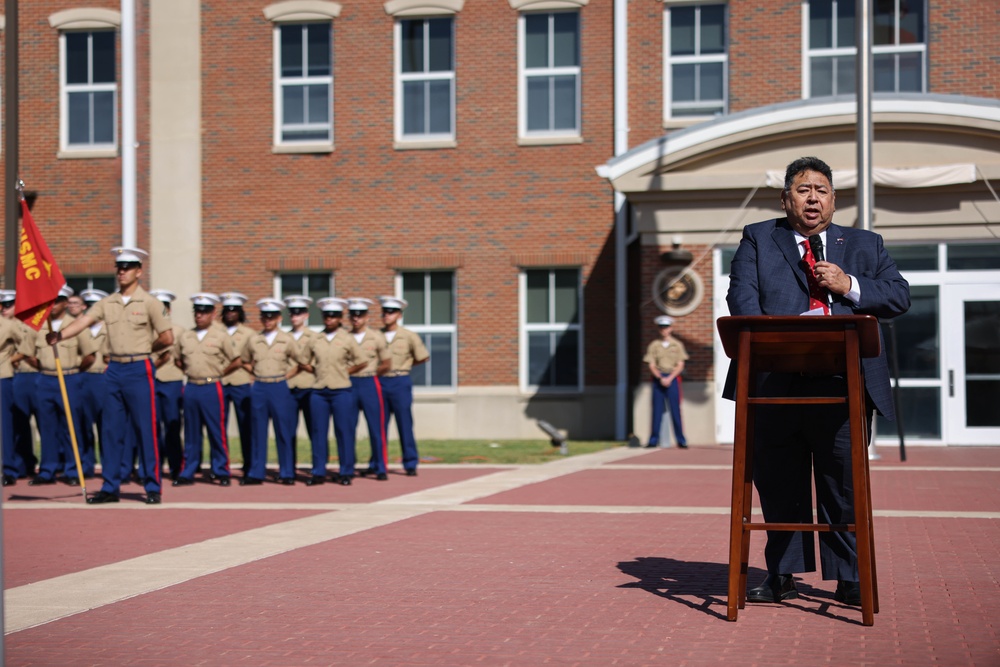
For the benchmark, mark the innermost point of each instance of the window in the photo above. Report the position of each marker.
(696, 73)
(550, 74)
(89, 93)
(80, 283)
(431, 313)
(303, 83)
(899, 47)
(425, 75)
(551, 346)
(315, 285)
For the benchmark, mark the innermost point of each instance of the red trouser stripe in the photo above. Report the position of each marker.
(222, 422)
(152, 411)
(381, 423)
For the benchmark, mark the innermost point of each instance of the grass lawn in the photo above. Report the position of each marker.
(485, 452)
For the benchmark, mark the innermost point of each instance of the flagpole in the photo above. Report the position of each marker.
(69, 421)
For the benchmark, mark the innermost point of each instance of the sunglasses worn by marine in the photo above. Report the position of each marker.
(127, 266)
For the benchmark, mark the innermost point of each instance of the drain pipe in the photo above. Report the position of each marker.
(129, 238)
(621, 218)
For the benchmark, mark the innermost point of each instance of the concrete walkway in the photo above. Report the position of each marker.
(617, 557)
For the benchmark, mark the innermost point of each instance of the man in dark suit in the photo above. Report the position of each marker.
(770, 276)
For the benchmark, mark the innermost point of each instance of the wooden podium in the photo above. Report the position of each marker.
(797, 344)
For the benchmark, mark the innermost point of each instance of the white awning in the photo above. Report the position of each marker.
(911, 177)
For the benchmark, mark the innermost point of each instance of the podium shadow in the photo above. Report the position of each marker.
(704, 587)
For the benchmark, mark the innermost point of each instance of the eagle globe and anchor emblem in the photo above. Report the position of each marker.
(677, 289)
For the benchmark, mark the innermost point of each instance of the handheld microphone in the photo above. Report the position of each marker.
(816, 245)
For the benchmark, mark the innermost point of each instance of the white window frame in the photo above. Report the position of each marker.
(523, 73)
(809, 53)
(525, 328)
(425, 139)
(278, 293)
(669, 61)
(309, 145)
(450, 329)
(105, 149)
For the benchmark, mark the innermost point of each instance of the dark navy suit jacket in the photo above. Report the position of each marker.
(767, 279)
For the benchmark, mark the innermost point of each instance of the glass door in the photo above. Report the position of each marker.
(972, 363)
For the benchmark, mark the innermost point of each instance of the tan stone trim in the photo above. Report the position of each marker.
(549, 141)
(317, 264)
(85, 18)
(302, 148)
(302, 10)
(539, 5)
(427, 262)
(87, 153)
(403, 8)
(550, 259)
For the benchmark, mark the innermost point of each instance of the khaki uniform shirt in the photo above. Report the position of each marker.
(241, 334)
(10, 337)
(25, 332)
(271, 361)
(332, 358)
(406, 348)
(205, 359)
(100, 340)
(375, 350)
(132, 327)
(304, 379)
(666, 358)
(71, 351)
(169, 372)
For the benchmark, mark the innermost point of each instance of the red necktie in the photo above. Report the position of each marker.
(817, 295)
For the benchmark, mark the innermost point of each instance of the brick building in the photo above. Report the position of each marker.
(539, 178)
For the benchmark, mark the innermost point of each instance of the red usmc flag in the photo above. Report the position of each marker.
(38, 278)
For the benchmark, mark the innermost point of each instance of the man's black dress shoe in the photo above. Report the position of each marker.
(287, 481)
(72, 481)
(41, 481)
(250, 481)
(682, 446)
(775, 588)
(652, 445)
(9, 480)
(411, 473)
(315, 480)
(848, 592)
(152, 498)
(382, 477)
(183, 481)
(102, 497)
(344, 480)
(366, 472)
(223, 481)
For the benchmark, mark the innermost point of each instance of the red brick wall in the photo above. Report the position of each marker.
(645, 71)
(964, 48)
(366, 204)
(78, 209)
(765, 53)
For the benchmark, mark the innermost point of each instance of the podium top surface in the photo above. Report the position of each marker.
(800, 329)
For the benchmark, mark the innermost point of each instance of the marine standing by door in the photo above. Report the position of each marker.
(205, 353)
(138, 325)
(407, 350)
(665, 358)
(366, 385)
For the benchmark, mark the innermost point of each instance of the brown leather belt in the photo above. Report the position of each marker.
(66, 371)
(127, 358)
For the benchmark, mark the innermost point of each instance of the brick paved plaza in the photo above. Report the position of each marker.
(614, 558)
